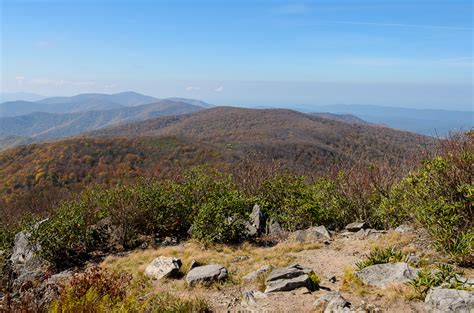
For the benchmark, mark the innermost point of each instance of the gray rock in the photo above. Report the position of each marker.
(413, 260)
(275, 230)
(257, 224)
(249, 298)
(288, 284)
(254, 275)
(194, 264)
(450, 300)
(163, 267)
(366, 233)
(312, 234)
(170, 241)
(404, 229)
(332, 302)
(382, 275)
(466, 282)
(288, 278)
(356, 226)
(206, 274)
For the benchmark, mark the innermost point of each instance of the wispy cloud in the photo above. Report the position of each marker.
(219, 89)
(41, 82)
(394, 25)
(19, 80)
(193, 88)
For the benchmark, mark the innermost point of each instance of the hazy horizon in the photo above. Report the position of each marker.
(268, 53)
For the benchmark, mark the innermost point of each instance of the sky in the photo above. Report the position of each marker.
(403, 53)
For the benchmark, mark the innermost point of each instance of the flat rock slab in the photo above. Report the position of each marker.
(381, 275)
(206, 274)
(288, 284)
(288, 278)
(450, 300)
(163, 267)
(291, 271)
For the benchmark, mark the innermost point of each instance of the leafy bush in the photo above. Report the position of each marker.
(65, 239)
(222, 214)
(445, 275)
(295, 204)
(380, 256)
(439, 197)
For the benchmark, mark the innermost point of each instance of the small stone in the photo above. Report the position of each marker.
(333, 279)
(333, 302)
(194, 264)
(413, 260)
(254, 275)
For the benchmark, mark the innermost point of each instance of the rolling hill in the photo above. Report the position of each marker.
(222, 137)
(41, 126)
(308, 140)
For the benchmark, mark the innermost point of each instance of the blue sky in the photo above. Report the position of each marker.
(393, 52)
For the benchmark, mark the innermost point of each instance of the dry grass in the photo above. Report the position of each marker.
(239, 260)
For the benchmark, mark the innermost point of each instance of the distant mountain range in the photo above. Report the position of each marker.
(15, 96)
(423, 121)
(74, 104)
(42, 125)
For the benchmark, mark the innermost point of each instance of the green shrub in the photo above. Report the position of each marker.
(296, 205)
(440, 198)
(65, 239)
(445, 275)
(380, 256)
(222, 217)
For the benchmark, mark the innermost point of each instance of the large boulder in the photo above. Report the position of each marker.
(257, 223)
(163, 267)
(450, 300)
(332, 302)
(382, 275)
(206, 274)
(288, 278)
(275, 230)
(312, 234)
